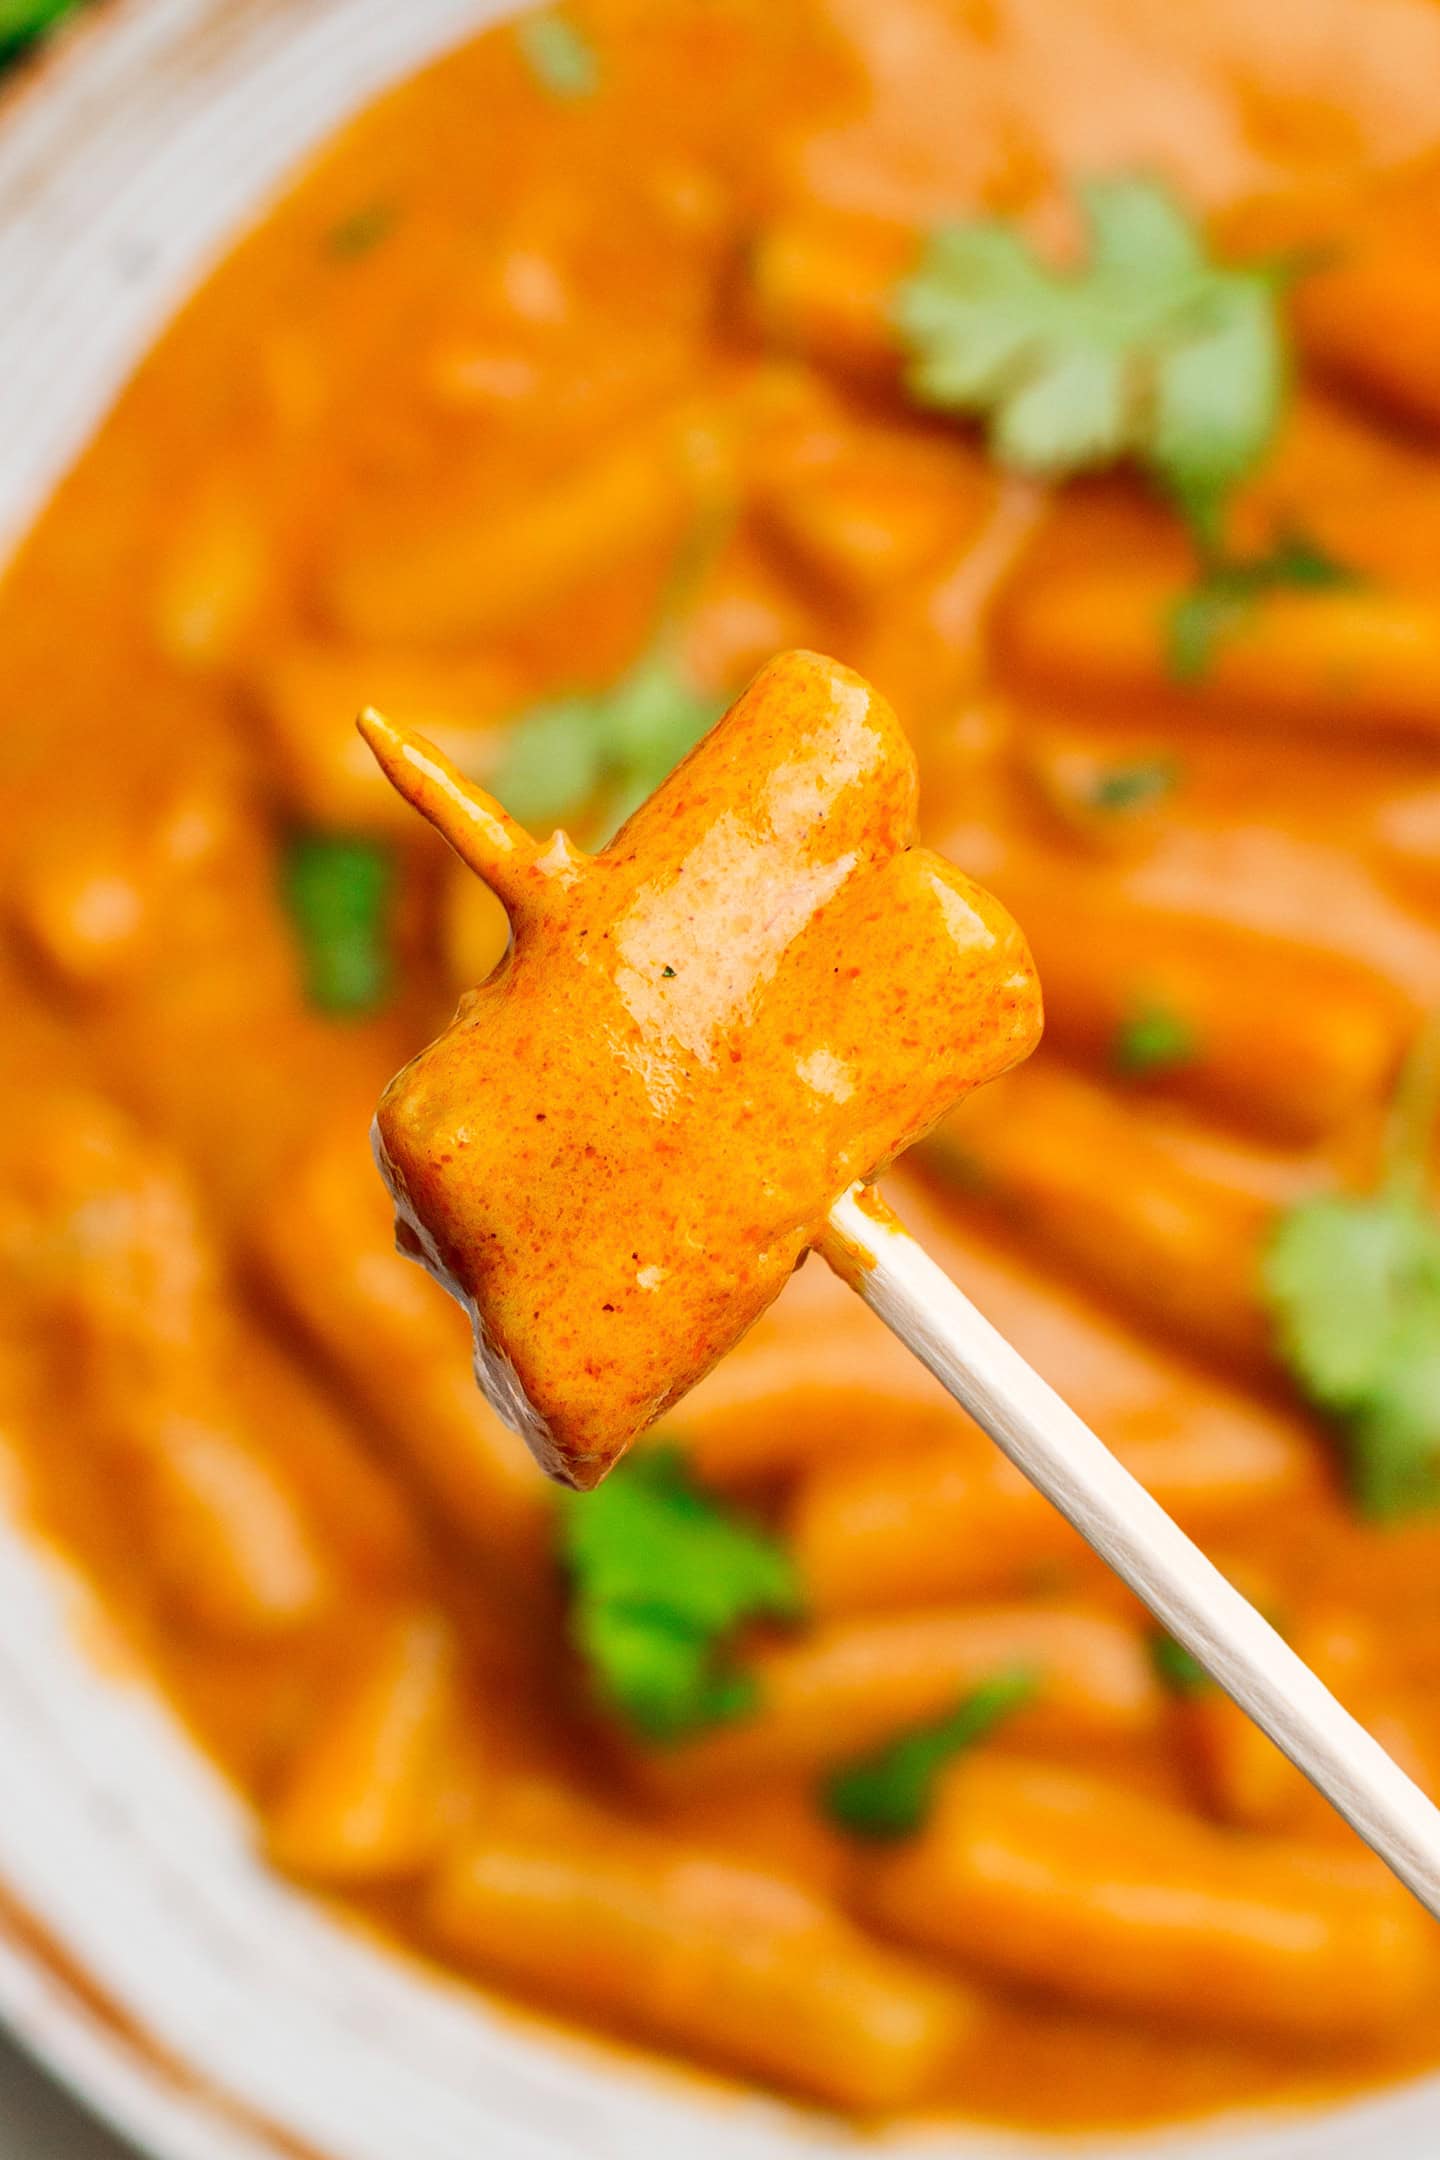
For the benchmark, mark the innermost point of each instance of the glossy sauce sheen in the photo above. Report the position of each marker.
(759, 993)
(434, 439)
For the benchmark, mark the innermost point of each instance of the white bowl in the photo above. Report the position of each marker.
(206, 2009)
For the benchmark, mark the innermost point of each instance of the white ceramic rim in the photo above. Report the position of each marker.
(200, 2006)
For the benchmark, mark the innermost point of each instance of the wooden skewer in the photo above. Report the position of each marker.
(867, 1245)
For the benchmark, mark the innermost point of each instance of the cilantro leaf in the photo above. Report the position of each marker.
(1134, 786)
(338, 890)
(1224, 598)
(650, 1536)
(889, 1794)
(552, 760)
(1395, 1434)
(1218, 396)
(1353, 1289)
(664, 1677)
(662, 1578)
(1177, 1668)
(1332, 1271)
(22, 21)
(654, 720)
(608, 749)
(960, 1167)
(362, 230)
(1151, 350)
(557, 55)
(1153, 1040)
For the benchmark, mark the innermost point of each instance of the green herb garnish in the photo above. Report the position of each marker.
(889, 1794)
(608, 749)
(557, 55)
(956, 1162)
(1177, 1668)
(1152, 350)
(1225, 596)
(361, 231)
(662, 1579)
(1353, 1289)
(1153, 1040)
(553, 759)
(338, 890)
(23, 21)
(1133, 786)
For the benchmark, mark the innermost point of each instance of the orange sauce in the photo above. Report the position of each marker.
(433, 438)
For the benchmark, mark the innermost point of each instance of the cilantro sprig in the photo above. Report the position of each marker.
(604, 750)
(361, 231)
(1151, 1040)
(1151, 350)
(662, 1579)
(338, 889)
(1223, 600)
(1133, 784)
(559, 58)
(23, 21)
(1353, 1289)
(595, 755)
(1178, 1670)
(889, 1793)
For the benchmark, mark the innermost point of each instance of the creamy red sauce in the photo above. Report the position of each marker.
(434, 438)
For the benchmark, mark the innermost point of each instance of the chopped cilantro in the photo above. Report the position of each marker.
(957, 1164)
(552, 760)
(1134, 786)
(606, 750)
(1152, 350)
(1178, 1668)
(557, 55)
(23, 21)
(1153, 1040)
(662, 1578)
(361, 231)
(661, 1675)
(338, 890)
(889, 1794)
(1225, 596)
(1353, 1289)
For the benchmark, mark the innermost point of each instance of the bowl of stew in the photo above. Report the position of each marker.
(1070, 370)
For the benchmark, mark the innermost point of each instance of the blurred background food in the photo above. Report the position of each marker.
(1070, 369)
